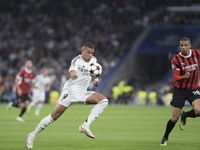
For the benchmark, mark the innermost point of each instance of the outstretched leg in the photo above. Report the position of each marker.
(57, 112)
(193, 113)
(101, 103)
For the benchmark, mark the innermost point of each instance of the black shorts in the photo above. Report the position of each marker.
(181, 95)
(22, 98)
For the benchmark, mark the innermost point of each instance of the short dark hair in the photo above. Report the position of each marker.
(185, 39)
(88, 44)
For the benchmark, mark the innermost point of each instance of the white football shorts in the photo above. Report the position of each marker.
(38, 96)
(68, 98)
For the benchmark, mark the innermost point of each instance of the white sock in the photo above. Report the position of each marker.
(42, 125)
(96, 111)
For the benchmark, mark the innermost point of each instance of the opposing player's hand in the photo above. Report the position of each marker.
(187, 74)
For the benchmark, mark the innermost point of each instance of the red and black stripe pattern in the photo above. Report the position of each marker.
(187, 63)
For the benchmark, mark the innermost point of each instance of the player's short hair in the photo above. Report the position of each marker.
(89, 45)
(185, 39)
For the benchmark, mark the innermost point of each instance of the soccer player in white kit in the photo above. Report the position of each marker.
(75, 90)
(42, 84)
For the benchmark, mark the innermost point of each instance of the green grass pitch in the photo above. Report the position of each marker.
(120, 127)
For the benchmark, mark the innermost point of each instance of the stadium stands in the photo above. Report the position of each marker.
(51, 32)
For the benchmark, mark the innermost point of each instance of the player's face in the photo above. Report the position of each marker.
(185, 47)
(29, 65)
(45, 72)
(87, 53)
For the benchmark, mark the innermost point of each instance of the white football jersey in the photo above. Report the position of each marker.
(41, 82)
(82, 82)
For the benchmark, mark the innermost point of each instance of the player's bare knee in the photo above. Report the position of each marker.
(174, 118)
(21, 105)
(26, 105)
(197, 111)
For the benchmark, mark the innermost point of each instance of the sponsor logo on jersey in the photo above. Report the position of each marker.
(84, 70)
(27, 80)
(191, 67)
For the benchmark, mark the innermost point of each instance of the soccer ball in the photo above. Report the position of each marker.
(95, 69)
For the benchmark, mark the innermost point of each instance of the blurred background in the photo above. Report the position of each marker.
(135, 41)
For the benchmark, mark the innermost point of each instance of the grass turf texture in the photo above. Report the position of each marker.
(118, 128)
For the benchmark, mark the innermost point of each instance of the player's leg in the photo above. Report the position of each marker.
(63, 103)
(170, 125)
(40, 102)
(57, 112)
(194, 100)
(15, 102)
(193, 113)
(196, 107)
(35, 99)
(31, 105)
(23, 107)
(26, 100)
(101, 103)
(38, 108)
(21, 104)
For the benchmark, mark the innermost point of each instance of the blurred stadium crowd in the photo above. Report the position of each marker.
(51, 32)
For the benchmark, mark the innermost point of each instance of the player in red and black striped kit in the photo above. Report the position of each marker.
(185, 68)
(23, 84)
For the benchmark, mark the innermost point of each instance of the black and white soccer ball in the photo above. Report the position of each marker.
(95, 69)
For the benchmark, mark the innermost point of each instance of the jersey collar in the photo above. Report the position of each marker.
(188, 55)
(27, 70)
